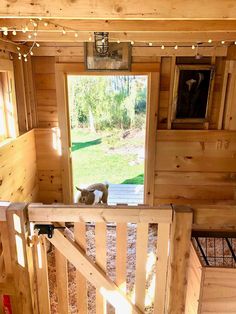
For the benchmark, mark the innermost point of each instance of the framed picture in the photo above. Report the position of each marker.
(192, 93)
(118, 58)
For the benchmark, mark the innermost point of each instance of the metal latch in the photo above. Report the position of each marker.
(48, 229)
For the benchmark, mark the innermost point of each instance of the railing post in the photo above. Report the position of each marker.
(22, 260)
(179, 257)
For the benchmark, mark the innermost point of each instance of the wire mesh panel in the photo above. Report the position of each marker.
(216, 251)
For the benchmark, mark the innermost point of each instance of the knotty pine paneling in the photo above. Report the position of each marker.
(18, 169)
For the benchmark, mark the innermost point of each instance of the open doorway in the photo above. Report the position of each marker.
(108, 125)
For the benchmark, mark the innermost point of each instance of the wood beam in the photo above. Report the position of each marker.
(111, 9)
(158, 37)
(214, 217)
(92, 272)
(6, 45)
(179, 256)
(137, 51)
(77, 213)
(55, 25)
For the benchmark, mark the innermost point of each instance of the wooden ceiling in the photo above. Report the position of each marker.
(154, 21)
(120, 9)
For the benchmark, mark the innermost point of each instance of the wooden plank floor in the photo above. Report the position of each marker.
(131, 194)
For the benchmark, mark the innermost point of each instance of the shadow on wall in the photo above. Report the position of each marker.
(80, 145)
(135, 180)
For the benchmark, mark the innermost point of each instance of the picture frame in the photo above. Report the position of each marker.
(118, 59)
(192, 93)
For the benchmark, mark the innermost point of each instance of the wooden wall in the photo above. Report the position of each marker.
(209, 289)
(194, 166)
(191, 166)
(194, 278)
(18, 170)
(218, 291)
(49, 165)
(45, 91)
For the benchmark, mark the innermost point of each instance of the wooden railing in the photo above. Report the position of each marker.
(156, 280)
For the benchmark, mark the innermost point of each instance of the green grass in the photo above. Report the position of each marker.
(94, 158)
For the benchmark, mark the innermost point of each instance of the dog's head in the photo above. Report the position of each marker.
(86, 196)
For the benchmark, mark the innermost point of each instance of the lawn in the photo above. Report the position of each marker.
(115, 157)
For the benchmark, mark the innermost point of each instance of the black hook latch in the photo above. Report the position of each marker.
(49, 229)
(45, 229)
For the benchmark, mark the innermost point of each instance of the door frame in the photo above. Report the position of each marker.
(152, 71)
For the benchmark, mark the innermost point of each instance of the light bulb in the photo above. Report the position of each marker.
(176, 47)
(19, 57)
(45, 24)
(90, 38)
(29, 36)
(118, 41)
(76, 35)
(162, 47)
(103, 40)
(5, 32)
(222, 41)
(193, 47)
(37, 44)
(25, 59)
(235, 42)
(150, 44)
(18, 48)
(19, 54)
(14, 32)
(35, 24)
(132, 42)
(63, 32)
(31, 53)
(35, 34)
(210, 41)
(25, 55)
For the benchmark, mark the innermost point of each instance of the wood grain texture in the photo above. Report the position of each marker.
(194, 279)
(218, 291)
(179, 258)
(48, 165)
(18, 175)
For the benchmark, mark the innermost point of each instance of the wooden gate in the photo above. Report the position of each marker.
(140, 236)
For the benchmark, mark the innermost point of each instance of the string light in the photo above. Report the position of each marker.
(5, 32)
(31, 53)
(19, 56)
(222, 41)
(150, 44)
(37, 44)
(193, 47)
(176, 47)
(162, 47)
(132, 42)
(210, 41)
(18, 48)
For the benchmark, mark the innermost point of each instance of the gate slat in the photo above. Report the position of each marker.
(100, 243)
(141, 259)
(62, 283)
(121, 255)
(41, 268)
(161, 268)
(81, 283)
